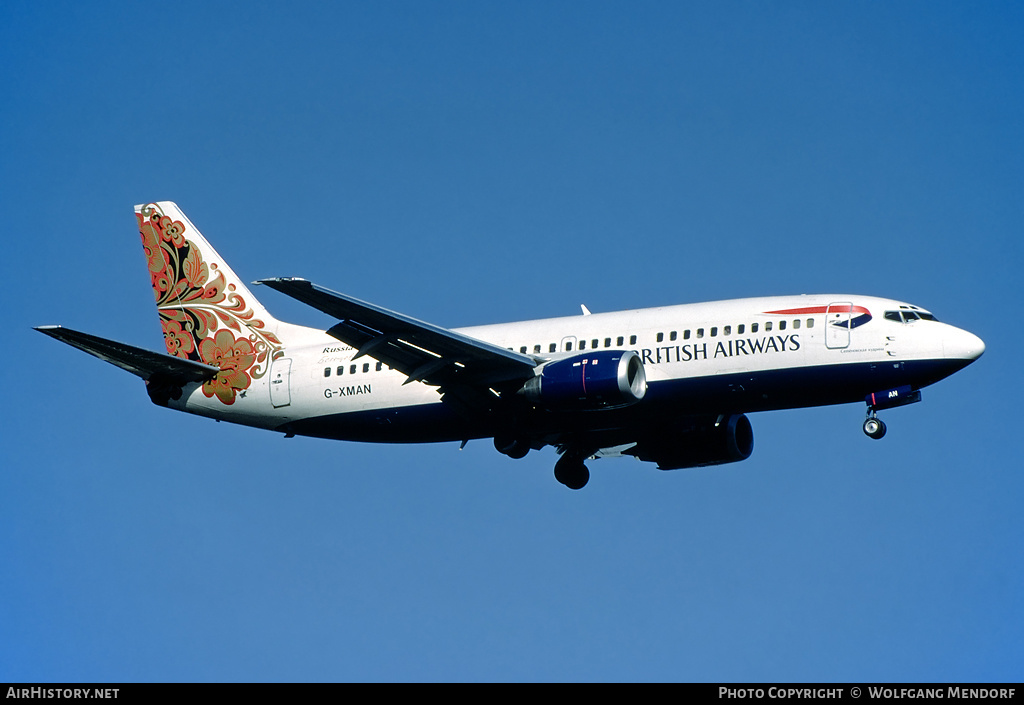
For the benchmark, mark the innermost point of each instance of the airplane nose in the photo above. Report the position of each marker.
(963, 346)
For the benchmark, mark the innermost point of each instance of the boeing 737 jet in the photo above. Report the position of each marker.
(669, 385)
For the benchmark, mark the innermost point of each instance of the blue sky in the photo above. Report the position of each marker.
(469, 163)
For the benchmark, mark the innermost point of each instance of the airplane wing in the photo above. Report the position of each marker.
(456, 363)
(139, 362)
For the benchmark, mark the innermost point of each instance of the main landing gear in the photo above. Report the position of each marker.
(571, 472)
(514, 448)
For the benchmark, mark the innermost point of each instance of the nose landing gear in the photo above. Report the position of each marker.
(874, 426)
(889, 399)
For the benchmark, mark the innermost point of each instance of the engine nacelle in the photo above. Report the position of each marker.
(597, 380)
(710, 441)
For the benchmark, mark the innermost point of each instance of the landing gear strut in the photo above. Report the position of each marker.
(571, 472)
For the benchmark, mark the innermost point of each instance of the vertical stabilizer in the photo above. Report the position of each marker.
(207, 313)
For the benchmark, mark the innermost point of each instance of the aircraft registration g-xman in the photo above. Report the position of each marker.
(667, 385)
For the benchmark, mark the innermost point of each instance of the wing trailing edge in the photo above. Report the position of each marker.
(420, 350)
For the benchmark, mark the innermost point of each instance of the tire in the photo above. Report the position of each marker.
(874, 428)
(572, 473)
(512, 447)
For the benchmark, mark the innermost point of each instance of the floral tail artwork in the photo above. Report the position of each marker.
(206, 312)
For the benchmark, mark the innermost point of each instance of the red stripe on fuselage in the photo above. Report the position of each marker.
(842, 308)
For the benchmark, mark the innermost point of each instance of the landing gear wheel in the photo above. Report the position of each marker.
(572, 473)
(874, 428)
(512, 447)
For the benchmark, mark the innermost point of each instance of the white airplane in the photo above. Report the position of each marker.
(668, 385)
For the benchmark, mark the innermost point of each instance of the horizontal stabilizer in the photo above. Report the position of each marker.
(140, 362)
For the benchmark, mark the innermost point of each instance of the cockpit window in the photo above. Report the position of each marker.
(906, 316)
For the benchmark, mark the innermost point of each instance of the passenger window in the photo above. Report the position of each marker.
(568, 345)
(753, 327)
(700, 332)
(536, 350)
(583, 345)
(327, 372)
(796, 323)
(352, 369)
(810, 323)
(739, 329)
(593, 344)
(727, 330)
(553, 347)
(523, 350)
(632, 340)
(672, 335)
(714, 331)
(366, 367)
(782, 325)
(607, 342)
(686, 334)
(379, 366)
(620, 340)
(340, 371)
(767, 326)
(661, 337)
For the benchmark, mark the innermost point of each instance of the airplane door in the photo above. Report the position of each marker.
(837, 325)
(280, 382)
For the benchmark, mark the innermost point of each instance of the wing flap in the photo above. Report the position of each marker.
(140, 362)
(422, 351)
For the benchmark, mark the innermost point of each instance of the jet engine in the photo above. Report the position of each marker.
(597, 380)
(706, 441)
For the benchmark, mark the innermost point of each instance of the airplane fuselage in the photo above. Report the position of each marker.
(724, 357)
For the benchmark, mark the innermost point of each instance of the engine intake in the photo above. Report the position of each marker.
(598, 380)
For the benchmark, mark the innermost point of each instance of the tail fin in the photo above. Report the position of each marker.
(208, 315)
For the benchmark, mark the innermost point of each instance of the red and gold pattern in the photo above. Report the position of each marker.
(199, 309)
